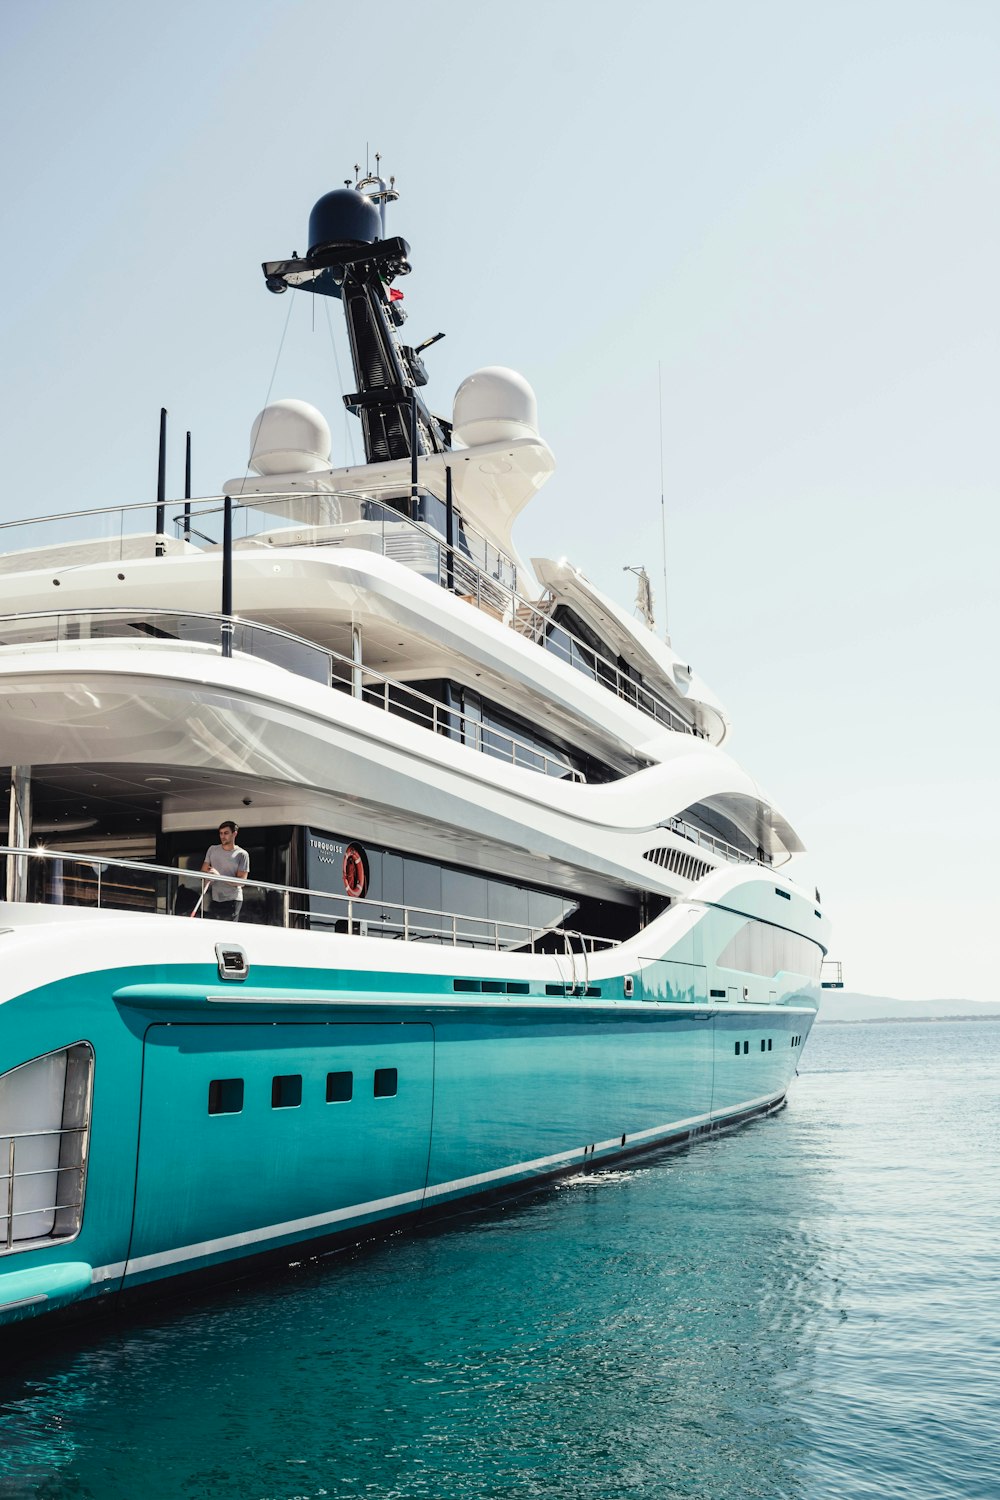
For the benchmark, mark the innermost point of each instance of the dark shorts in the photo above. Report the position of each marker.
(225, 911)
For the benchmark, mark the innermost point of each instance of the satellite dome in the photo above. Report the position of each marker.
(289, 437)
(343, 217)
(494, 404)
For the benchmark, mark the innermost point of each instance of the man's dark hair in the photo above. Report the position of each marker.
(229, 824)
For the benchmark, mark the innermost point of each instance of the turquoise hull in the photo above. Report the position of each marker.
(490, 1093)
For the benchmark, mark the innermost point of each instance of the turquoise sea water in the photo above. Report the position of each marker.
(809, 1308)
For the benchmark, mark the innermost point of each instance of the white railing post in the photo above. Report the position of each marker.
(19, 832)
(356, 664)
(10, 1193)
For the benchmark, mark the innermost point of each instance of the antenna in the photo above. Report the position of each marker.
(376, 189)
(663, 503)
(187, 487)
(161, 486)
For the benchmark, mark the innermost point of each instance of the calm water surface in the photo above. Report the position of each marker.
(809, 1308)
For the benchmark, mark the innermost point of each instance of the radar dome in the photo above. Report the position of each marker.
(343, 217)
(290, 437)
(494, 404)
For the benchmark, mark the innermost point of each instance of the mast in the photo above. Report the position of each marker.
(351, 259)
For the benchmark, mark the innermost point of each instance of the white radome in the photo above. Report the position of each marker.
(289, 437)
(493, 404)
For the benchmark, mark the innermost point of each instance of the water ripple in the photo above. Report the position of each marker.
(807, 1309)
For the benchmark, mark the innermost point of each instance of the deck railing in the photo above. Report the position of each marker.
(473, 567)
(716, 845)
(145, 888)
(68, 1195)
(163, 629)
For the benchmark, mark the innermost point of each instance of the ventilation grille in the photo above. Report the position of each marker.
(688, 866)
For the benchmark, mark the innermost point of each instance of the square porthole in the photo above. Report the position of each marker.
(286, 1091)
(225, 1096)
(386, 1083)
(339, 1088)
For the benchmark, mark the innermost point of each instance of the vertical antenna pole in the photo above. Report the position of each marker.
(449, 529)
(413, 449)
(227, 577)
(663, 503)
(161, 485)
(187, 487)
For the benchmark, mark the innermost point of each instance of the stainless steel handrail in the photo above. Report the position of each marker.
(474, 732)
(123, 612)
(490, 590)
(352, 910)
(711, 842)
(12, 1176)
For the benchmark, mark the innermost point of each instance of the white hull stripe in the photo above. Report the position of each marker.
(141, 1263)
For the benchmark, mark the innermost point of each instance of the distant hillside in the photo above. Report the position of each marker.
(840, 1005)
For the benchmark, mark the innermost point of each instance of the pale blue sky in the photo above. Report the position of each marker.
(793, 208)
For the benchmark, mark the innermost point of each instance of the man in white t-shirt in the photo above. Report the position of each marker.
(228, 859)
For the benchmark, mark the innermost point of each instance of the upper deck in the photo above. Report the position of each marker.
(71, 552)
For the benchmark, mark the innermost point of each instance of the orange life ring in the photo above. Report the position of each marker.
(355, 871)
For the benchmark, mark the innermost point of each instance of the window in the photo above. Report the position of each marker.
(477, 900)
(286, 1091)
(225, 1096)
(762, 948)
(769, 1044)
(763, 1046)
(737, 1049)
(746, 1047)
(339, 1087)
(385, 1083)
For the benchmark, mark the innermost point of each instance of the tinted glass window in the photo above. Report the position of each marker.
(286, 1091)
(339, 1087)
(385, 1083)
(225, 1096)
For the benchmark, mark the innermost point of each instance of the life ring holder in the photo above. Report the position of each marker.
(355, 872)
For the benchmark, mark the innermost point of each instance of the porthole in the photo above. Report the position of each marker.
(386, 1083)
(225, 1096)
(286, 1091)
(339, 1088)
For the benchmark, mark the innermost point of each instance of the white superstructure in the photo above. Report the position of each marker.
(480, 800)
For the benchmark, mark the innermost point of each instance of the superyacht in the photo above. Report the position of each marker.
(512, 909)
